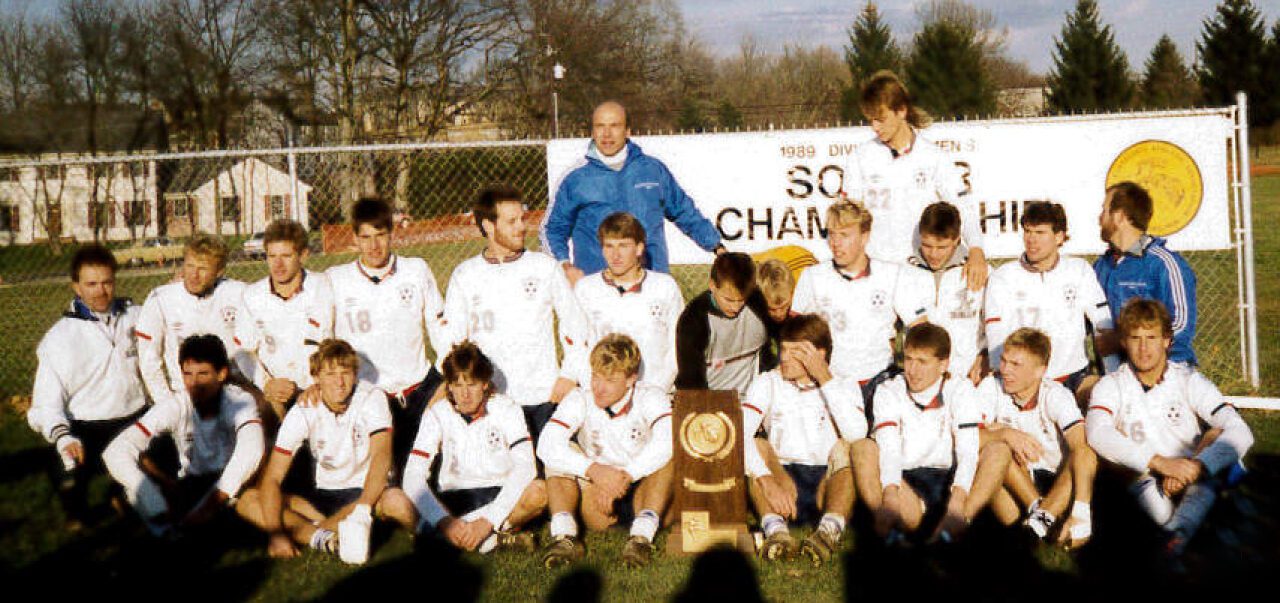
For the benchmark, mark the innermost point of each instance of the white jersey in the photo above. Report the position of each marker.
(896, 187)
(1128, 424)
(948, 303)
(506, 308)
(384, 319)
(647, 312)
(492, 450)
(206, 445)
(936, 428)
(860, 310)
(1046, 419)
(339, 443)
(283, 333)
(169, 316)
(633, 435)
(87, 371)
(1056, 302)
(803, 424)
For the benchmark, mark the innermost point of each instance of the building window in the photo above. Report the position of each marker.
(138, 213)
(276, 205)
(51, 172)
(97, 213)
(8, 218)
(180, 207)
(10, 174)
(230, 208)
(99, 171)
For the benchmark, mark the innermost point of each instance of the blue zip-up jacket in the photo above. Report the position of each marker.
(644, 187)
(1158, 274)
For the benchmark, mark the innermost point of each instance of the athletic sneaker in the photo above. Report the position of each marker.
(1039, 521)
(638, 552)
(511, 540)
(820, 546)
(562, 551)
(778, 546)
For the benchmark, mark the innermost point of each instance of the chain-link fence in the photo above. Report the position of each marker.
(144, 207)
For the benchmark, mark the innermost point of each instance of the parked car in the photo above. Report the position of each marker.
(155, 250)
(254, 248)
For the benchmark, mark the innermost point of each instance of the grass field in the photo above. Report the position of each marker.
(111, 557)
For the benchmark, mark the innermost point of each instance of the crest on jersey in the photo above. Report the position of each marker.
(530, 286)
(1174, 415)
(655, 310)
(493, 439)
(405, 292)
(1069, 294)
(966, 309)
(635, 433)
(879, 299)
(229, 315)
(922, 179)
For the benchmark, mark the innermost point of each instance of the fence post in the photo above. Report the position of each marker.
(294, 202)
(1246, 218)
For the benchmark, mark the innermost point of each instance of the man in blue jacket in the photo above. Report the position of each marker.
(617, 176)
(1139, 265)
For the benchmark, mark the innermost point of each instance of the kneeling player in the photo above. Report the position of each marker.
(487, 472)
(926, 428)
(1038, 419)
(349, 435)
(1146, 417)
(620, 465)
(220, 445)
(802, 471)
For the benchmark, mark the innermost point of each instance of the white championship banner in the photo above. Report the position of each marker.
(765, 189)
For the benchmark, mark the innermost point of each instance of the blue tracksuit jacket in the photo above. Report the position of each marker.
(1158, 274)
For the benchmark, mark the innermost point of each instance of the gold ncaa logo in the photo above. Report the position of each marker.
(1170, 176)
(706, 436)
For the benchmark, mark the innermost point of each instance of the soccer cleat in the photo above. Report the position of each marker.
(778, 546)
(1039, 521)
(562, 551)
(512, 540)
(637, 552)
(896, 540)
(820, 546)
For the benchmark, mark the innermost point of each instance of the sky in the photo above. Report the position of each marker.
(1032, 24)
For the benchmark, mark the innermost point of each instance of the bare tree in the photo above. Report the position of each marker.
(17, 51)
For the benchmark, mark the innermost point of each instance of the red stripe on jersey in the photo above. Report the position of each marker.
(885, 424)
(660, 417)
(378, 431)
(568, 340)
(145, 431)
(142, 335)
(237, 340)
(313, 322)
(560, 423)
(420, 453)
(1108, 410)
(249, 422)
(993, 319)
(282, 451)
(758, 411)
(1062, 379)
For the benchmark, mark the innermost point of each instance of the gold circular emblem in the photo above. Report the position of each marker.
(707, 436)
(1170, 176)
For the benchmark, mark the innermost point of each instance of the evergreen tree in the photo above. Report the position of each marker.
(1233, 49)
(947, 73)
(870, 49)
(728, 116)
(1166, 81)
(691, 117)
(1090, 72)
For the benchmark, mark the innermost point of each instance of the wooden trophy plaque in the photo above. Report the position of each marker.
(710, 500)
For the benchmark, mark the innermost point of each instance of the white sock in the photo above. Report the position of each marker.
(772, 524)
(320, 539)
(833, 523)
(1081, 510)
(562, 524)
(488, 544)
(1195, 505)
(1152, 500)
(645, 524)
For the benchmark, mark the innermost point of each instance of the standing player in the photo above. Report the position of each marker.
(383, 305)
(488, 479)
(503, 301)
(934, 280)
(930, 470)
(216, 428)
(619, 468)
(901, 171)
(858, 297)
(722, 337)
(204, 302)
(1038, 419)
(286, 315)
(1150, 418)
(349, 436)
(802, 470)
(1053, 293)
(87, 387)
(1139, 265)
(625, 298)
